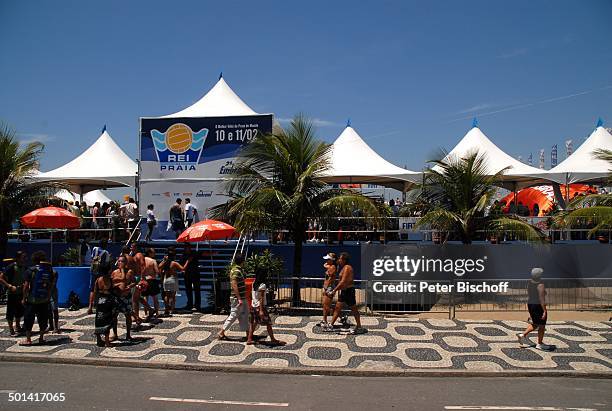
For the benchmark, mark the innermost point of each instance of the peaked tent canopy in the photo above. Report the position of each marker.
(496, 159)
(220, 101)
(353, 161)
(582, 166)
(104, 164)
(90, 198)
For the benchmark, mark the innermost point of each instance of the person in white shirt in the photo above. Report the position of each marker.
(191, 212)
(258, 312)
(151, 222)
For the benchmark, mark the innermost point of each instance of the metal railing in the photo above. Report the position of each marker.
(335, 230)
(585, 294)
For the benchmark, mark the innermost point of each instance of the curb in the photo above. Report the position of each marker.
(327, 371)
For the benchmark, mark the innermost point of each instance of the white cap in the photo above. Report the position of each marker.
(536, 273)
(329, 257)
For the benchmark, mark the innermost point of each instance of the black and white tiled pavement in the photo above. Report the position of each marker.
(391, 343)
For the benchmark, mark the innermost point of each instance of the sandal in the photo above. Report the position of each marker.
(222, 337)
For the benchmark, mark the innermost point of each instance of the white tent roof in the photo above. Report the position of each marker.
(220, 101)
(495, 158)
(581, 166)
(90, 198)
(103, 164)
(353, 161)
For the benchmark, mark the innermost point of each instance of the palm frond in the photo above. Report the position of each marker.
(517, 226)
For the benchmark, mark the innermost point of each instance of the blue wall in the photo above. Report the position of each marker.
(312, 257)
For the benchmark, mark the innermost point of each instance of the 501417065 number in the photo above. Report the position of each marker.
(36, 397)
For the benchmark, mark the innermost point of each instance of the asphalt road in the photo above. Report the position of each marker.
(89, 387)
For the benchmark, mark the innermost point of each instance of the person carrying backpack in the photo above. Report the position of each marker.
(12, 279)
(100, 264)
(37, 287)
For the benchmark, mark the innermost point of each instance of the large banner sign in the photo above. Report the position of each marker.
(190, 157)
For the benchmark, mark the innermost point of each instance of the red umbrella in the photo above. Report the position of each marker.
(50, 217)
(206, 230)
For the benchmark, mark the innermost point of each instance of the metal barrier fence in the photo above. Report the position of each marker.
(586, 294)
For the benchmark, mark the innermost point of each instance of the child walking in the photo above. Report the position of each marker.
(258, 313)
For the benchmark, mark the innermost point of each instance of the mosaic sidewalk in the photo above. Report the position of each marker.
(390, 344)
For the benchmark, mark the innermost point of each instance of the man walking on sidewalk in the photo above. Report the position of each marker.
(238, 302)
(346, 287)
(536, 305)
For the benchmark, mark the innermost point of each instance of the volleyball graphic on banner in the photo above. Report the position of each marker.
(179, 138)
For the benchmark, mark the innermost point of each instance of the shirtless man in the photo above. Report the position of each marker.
(123, 282)
(150, 274)
(135, 263)
(347, 295)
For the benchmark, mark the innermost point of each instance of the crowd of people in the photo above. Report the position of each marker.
(132, 283)
(122, 285)
(31, 295)
(111, 220)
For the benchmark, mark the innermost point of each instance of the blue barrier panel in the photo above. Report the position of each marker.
(72, 279)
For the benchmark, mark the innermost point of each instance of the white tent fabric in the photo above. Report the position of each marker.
(581, 166)
(353, 161)
(220, 101)
(495, 159)
(90, 198)
(104, 164)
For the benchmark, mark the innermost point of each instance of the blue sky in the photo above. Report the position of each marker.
(410, 75)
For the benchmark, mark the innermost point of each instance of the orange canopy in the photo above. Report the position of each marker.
(544, 197)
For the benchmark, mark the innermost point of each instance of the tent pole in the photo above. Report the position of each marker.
(515, 197)
(567, 188)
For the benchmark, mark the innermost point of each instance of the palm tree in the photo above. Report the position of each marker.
(456, 192)
(19, 191)
(595, 209)
(277, 185)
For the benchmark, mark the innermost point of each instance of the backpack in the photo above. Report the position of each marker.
(75, 301)
(99, 261)
(41, 281)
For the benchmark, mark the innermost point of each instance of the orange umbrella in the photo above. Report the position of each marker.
(206, 230)
(50, 217)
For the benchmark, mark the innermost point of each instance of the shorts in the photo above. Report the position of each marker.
(257, 318)
(153, 288)
(40, 311)
(536, 312)
(347, 296)
(171, 284)
(14, 307)
(178, 226)
(123, 305)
